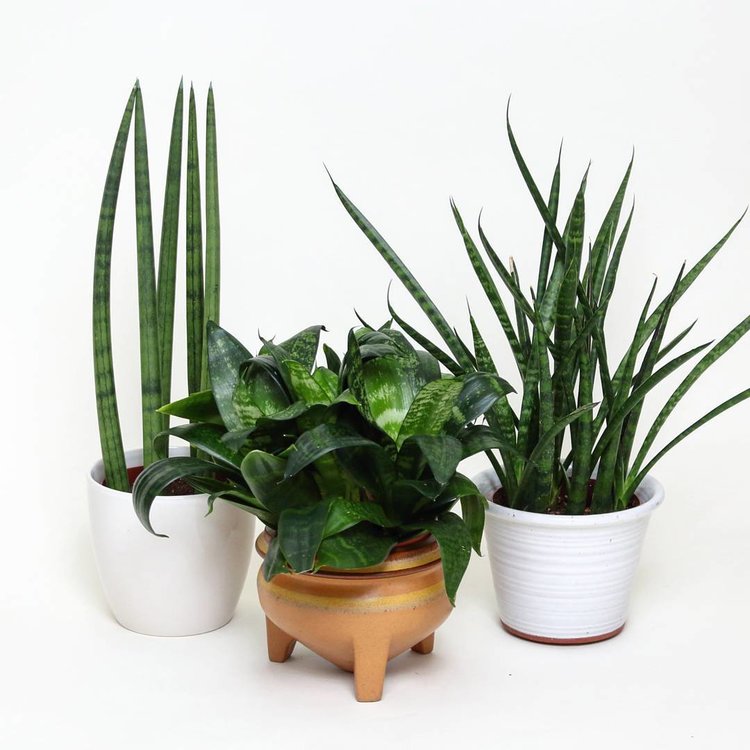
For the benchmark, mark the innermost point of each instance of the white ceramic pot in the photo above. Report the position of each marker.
(565, 579)
(187, 584)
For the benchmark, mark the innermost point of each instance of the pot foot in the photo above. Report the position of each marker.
(425, 646)
(370, 661)
(280, 644)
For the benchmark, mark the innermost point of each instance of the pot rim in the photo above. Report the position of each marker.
(650, 492)
(422, 541)
(133, 458)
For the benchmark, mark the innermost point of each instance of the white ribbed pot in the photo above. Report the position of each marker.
(187, 584)
(565, 579)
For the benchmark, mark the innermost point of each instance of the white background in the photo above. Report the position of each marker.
(404, 102)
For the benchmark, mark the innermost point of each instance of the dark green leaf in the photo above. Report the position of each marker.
(300, 533)
(319, 441)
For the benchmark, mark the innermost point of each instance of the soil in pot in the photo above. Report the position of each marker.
(559, 507)
(177, 488)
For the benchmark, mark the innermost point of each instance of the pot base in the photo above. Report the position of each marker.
(370, 659)
(563, 641)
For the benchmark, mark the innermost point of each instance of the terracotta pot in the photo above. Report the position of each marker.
(358, 619)
(565, 579)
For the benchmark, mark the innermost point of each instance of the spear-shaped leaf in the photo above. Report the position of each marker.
(110, 436)
(168, 252)
(212, 295)
(149, 332)
(194, 239)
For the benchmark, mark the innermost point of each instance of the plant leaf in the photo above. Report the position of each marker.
(155, 478)
(300, 533)
(110, 435)
(319, 441)
(147, 315)
(197, 407)
(225, 356)
(361, 546)
(194, 255)
(344, 514)
(455, 548)
(405, 276)
(208, 438)
(165, 293)
(212, 294)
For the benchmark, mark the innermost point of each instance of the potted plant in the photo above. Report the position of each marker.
(570, 490)
(192, 583)
(352, 467)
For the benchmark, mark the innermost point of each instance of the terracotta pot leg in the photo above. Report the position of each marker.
(370, 660)
(425, 646)
(280, 645)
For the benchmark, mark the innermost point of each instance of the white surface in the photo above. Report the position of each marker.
(565, 577)
(186, 584)
(404, 101)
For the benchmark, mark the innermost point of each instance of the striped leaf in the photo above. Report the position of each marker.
(405, 276)
(212, 293)
(225, 356)
(194, 255)
(717, 351)
(110, 436)
(151, 387)
(490, 290)
(633, 482)
(361, 546)
(300, 533)
(168, 252)
(454, 541)
(197, 407)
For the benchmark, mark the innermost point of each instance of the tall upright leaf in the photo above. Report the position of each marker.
(194, 238)
(149, 331)
(406, 278)
(110, 435)
(213, 234)
(165, 291)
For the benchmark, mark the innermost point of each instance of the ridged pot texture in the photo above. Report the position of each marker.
(565, 579)
(358, 620)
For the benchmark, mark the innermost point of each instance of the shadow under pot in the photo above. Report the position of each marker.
(186, 584)
(565, 579)
(358, 619)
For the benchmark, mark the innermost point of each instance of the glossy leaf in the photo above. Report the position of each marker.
(361, 546)
(225, 356)
(198, 407)
(319, 441)
(208, 438)
(454, 541)
(154, 479)
(300, 533)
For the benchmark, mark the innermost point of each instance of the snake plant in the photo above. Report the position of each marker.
(558, 341)
(156, 296)
(344, 460)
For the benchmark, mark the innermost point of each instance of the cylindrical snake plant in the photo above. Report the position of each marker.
(156, 296)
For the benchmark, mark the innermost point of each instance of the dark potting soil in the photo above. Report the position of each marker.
(559, 508)
(178, 487)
